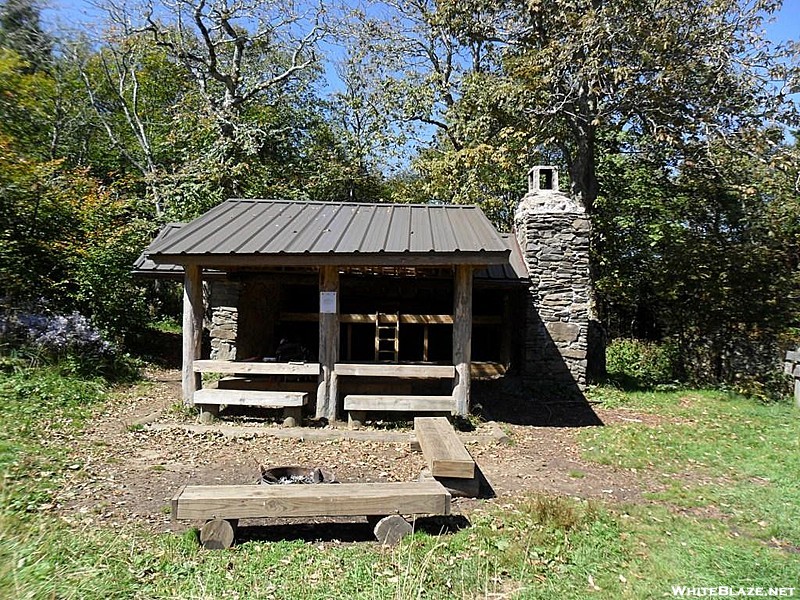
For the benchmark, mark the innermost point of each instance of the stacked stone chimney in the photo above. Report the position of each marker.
(553, 231)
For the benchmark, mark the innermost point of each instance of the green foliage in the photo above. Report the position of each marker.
(639, 364)
(704, 256)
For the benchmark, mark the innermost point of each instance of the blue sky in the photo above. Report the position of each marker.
(787, 23)
(785, 27)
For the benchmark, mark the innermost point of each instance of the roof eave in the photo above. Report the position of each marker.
(406, 259)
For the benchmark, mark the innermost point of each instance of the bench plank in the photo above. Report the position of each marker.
(399, 403)
(263, 399)
(394, 370)
(445, 454)
(323, 500)
(255, 368)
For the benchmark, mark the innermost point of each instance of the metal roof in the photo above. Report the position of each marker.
(512, 271)
(278, 232)
(145, 266)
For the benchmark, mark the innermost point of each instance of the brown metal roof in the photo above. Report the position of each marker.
(513, 270)
(272, 232)
(510, 272)
(145, 266)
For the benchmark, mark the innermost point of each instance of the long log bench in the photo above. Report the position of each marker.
(223, 505)
(209, 400)
(292, 402)
(358, 405)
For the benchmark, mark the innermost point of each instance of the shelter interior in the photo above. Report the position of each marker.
(387, 315)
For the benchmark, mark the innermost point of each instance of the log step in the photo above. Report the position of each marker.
(400, 403)
(445, 454)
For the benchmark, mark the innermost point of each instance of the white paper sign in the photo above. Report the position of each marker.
(327, 302)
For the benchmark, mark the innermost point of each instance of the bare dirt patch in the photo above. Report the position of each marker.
(137, 452)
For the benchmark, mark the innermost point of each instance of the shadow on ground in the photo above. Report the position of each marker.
(506, 400)
(158, 347)
(345, 532)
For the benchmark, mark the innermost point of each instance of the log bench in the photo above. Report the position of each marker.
(358, 405)
(223, 505)
(445, 454)
(447, 458)
(209, 400)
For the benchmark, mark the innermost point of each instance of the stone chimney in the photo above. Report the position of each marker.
(553, 232)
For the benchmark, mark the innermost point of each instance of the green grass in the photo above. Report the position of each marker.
(726, 515)
(723, 453)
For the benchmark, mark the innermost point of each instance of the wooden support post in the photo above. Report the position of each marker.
(218, 534)
(328, 342)
(462, 337)
(192, 329)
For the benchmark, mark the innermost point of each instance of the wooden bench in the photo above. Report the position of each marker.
(209, 401)
(445, 454)
(224, 505)
(255, 368)
(357, 405)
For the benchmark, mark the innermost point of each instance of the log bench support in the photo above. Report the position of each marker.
(292, 403)
(792, 368)
(229, 503)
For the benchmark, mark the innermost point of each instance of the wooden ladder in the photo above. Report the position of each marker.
(387, 338)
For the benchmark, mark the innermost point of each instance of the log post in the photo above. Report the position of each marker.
(462, 337)
(328, 341)
(192, 329)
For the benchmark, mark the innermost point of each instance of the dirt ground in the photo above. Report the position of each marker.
(141, 448)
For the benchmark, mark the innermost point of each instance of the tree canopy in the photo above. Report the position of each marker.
(673, 120)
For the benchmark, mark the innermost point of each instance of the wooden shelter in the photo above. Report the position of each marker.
(281, 246)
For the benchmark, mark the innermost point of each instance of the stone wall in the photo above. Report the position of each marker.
(222, 317)
(553, 232)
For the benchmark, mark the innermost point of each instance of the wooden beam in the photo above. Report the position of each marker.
(445, 454)
(399, 403)
(255, 368)
(322, 500)
(462, 337)
(192, 329)
(328, 344)
(264, 399)
(369, 319)
(395, 370)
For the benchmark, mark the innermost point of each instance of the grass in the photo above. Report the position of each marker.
(725, 513)
(714, 451)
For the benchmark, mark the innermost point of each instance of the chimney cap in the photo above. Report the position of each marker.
(542, 178)
(544, 196)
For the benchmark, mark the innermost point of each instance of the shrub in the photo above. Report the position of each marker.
(69, 341)
(639, 364)
(772, 386)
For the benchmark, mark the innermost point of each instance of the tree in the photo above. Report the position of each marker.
(705, 255)
(132, 90)
(680, 72)
(21, 31)
(240, 57)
